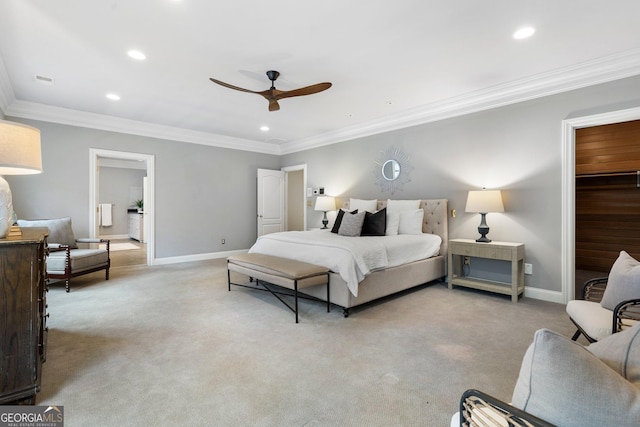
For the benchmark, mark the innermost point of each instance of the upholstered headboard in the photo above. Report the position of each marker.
(436, 218)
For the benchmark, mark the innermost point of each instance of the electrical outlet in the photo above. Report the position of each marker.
(528, 268)
(467, 260)
(222, 241)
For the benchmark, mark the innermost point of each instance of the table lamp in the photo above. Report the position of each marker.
(483, 202)
(19, 155)
(325, 204)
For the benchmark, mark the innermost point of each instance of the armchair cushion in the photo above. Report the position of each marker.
(595, 320)
(60, 230)
(621, 352)
(566, 385)
(81, 259)
(623, 283)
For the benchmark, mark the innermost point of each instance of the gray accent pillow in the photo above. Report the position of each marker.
(623, 283)
(621, 351)
(351, 224)
(60, 230)
(563, 383)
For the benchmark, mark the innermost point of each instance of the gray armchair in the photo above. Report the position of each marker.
(66, 259)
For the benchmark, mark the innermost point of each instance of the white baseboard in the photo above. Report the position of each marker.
(544, 294)
(197, 257)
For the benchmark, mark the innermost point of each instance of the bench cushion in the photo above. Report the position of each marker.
(277, 270)
(286, 267)
(81, 259)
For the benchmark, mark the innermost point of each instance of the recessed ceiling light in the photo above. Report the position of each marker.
(136, 54)
(523, 33)
(264, 128)
(113, 97)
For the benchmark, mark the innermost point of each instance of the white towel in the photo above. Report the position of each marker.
(105, 215)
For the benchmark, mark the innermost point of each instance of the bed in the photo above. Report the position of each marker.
(407, 261)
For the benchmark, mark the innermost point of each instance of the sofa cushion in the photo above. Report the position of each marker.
(595, 320)
(623, 283)
(81, 259)
(621, 352)
(565, 384)
(60, 230)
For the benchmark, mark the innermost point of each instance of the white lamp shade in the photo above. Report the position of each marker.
(484, 201)
(325, 204)
(19, 149)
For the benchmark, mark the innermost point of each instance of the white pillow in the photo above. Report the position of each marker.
(363, 205)
(394, 207)
(411, 222)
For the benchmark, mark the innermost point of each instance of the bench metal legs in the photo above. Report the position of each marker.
(276, 293)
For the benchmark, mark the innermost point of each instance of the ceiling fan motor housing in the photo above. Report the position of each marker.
(273, 75)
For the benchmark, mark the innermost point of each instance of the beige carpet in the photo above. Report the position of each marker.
(169, 346)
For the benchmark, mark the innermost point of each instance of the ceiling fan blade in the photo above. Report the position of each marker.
(307, 90)
(232, 86)
(273, 105)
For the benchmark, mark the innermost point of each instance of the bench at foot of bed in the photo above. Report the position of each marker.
(284, 272)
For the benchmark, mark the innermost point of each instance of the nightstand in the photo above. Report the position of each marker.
(506, 251)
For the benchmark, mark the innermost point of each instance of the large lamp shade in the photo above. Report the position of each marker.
(19, 155)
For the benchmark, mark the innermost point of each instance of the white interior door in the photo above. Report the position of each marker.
(270, 201)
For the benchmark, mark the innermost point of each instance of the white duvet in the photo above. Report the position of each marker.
(351, 257)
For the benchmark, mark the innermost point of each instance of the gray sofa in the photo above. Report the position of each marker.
(565, 384)
(65, 258)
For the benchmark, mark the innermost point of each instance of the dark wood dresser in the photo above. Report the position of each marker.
(23, 329)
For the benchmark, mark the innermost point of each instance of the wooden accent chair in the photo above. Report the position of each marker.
(65, 258)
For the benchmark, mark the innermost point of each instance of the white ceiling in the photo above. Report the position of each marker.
(392, 64)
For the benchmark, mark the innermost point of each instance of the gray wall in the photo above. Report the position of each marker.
(516, 149)
(206, 193)
(202, 193)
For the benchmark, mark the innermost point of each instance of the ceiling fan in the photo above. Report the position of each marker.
(273, 95)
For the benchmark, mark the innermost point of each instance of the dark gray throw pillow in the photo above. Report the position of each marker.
(338, 221)
(375, 224)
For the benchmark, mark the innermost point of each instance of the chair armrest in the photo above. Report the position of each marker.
(593, 289)
(88, 240)
(55, 247)
(626, 314)
(480, 409)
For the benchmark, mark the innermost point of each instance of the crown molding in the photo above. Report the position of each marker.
(48, 113)
(602, 70)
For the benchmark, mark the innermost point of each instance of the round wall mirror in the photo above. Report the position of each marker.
(391, 170)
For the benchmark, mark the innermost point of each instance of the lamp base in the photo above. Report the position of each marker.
(325, 221)
(6, 208)
(483, 229)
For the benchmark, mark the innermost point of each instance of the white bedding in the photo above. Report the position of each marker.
(351, 257)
